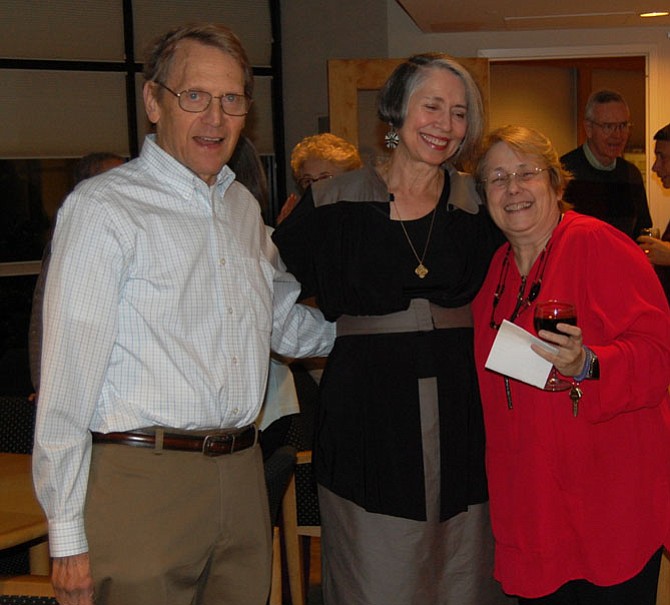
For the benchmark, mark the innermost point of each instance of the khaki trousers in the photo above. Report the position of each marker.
(177, 528)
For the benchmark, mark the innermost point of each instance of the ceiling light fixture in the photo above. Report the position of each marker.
(568, 16)
(655, 14)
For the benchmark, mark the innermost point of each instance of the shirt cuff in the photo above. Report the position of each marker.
(66, 539)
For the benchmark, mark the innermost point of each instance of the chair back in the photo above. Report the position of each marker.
(17, 424)
(278, 471)
(27, 590)
(17, 428)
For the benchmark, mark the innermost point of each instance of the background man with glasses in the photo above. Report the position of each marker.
(605, 185)
(162, 302)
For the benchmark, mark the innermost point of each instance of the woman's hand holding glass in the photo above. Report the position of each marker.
(570, 359)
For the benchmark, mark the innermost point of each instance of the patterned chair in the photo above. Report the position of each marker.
(26, 590)
(300, 506)
(278, 472)
(300, 514)
(17, 424)
(17, 421)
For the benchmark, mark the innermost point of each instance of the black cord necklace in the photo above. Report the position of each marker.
(523, 301)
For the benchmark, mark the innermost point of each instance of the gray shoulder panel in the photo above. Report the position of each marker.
(463, 193)
(362, 185)
(365, 185)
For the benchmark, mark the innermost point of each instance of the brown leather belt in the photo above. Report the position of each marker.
(215, 443)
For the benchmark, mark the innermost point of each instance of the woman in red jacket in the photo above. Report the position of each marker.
(579, 486)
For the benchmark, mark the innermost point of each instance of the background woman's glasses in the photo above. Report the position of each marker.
(306, 181)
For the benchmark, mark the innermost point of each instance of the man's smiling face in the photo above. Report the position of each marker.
(204, 141)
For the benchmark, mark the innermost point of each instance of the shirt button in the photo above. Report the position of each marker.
(236, 411)
(222, 261)
(230, 311)
(235, 360)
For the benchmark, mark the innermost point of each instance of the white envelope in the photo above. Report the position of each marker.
(512, 356)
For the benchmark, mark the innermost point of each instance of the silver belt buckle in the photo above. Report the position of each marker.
(210, 440)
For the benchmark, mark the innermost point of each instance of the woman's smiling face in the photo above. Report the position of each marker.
(436, 119)
(525, 210)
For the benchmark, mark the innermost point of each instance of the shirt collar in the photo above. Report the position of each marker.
(178, 175)
(594, 161)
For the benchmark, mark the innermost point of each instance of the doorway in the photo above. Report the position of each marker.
(652, 118)
(550, 95)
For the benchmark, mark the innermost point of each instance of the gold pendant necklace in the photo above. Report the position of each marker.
(421, 269)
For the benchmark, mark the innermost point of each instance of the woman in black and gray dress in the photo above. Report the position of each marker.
(395, 255)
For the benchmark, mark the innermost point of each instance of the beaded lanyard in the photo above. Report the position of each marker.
(522, 302)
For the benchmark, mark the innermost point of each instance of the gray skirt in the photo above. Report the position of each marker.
(374, 559)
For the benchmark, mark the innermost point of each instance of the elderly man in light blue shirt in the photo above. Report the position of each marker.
(163, 300)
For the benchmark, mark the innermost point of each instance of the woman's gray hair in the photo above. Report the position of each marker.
(394, 98)
(161, 52)
(601, 97)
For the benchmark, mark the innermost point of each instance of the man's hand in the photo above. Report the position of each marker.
(71, 579)
(657, 251)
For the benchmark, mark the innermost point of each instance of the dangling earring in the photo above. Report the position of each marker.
(391, 138)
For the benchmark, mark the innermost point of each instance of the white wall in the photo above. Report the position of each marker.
(405, 38)
(546, 105)
(314, 31)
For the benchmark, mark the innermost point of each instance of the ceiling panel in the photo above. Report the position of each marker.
(440, 16)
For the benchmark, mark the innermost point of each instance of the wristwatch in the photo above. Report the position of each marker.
(591, 369)
(593, 366)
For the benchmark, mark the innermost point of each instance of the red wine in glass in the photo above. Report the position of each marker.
(548, 314)
(550, 323)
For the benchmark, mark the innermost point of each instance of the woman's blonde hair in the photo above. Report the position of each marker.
(325, 146)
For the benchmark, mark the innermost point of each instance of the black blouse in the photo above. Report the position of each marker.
(343, 247)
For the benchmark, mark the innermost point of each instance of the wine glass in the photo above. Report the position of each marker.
(654, 232)
(548, 314)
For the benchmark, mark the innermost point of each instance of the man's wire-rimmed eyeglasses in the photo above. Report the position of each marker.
(609, 127)
(197, 101)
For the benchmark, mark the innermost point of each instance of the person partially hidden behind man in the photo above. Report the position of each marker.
(658, 250)
(605, 185)
(162, 303)
(89, 165)
(318, 157)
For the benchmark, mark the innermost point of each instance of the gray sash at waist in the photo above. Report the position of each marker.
(421, 316)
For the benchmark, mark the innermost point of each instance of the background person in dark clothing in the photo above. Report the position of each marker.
(658, 250)
(88, 166)
(605, 185)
